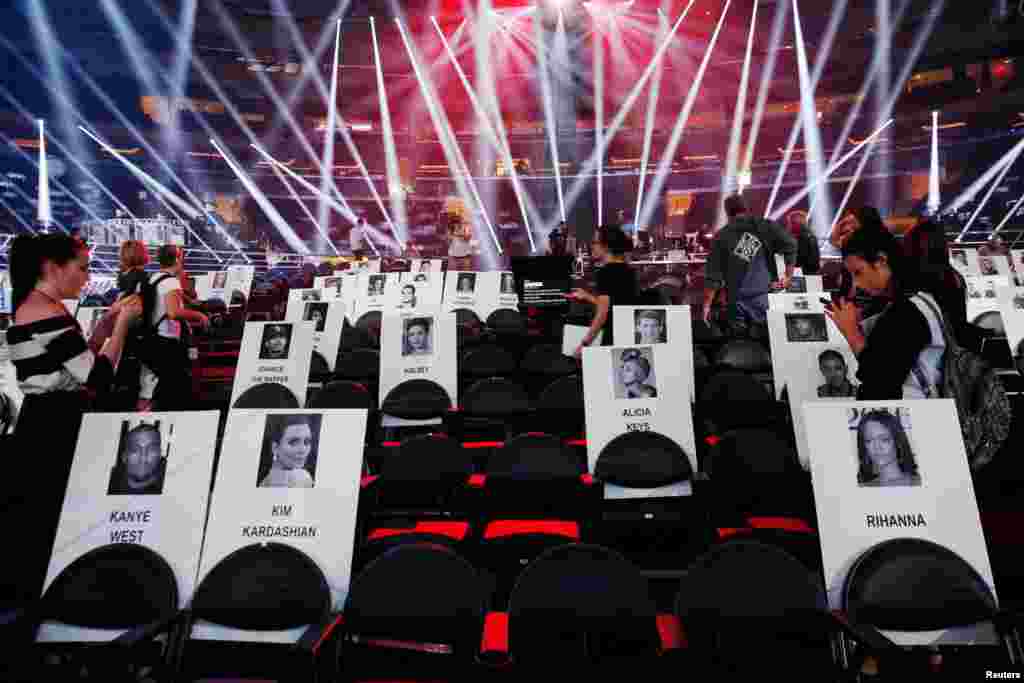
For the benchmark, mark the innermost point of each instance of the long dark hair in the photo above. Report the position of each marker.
(926, 246)
(29, 253)
(871, 242)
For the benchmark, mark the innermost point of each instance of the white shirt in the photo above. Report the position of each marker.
(168, 328)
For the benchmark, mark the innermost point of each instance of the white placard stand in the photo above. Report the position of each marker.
(426, 265)
(303, 496)
(9, 379)
(240, 280)
(793, 326)
(425, 295)
(463, 290)
(647, 325)
(496, 291)
(159, 501)
(5, 292)
(656, 400)
(573, 336)
(858, 510)
(219, 287)
(1011, 307)
(1017, 265)
(328, 318)
(275, 353)
(374, 292)
(418, 347)
(202, 285)
(965, 261)
(982, 295)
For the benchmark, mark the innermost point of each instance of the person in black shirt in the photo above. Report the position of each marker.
(616, 284)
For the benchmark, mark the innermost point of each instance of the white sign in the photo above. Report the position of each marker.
(419, 292)
(290, 477)
(426, 265)
(893, 469)
(994, 264)
(141, 479)
(497, 292)
(573, 336)
(368, 266)
(1011, 307)
(793, 327)
(219, 286)
(328, 318)
(275, 353)
(1017, 263)
(9, 378)
(965, 261)
(461, 290)
(796, 303)
(89, 317)
(71, 305)
(814, 372)
(637, 389)
(240, 280)
(374, 292)
(418, 347)
(202, 285)
(982, 296)
(647, 325)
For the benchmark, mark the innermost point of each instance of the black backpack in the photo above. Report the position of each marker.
(143, 342)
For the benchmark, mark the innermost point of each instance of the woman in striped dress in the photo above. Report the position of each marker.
(60, 378)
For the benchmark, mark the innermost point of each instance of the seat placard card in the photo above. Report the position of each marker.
(139, 478)
(419, 292)
(1011, 308)
(982, 296)
(638, 389)
(328, 318)
(415, 346)
(799, 321)
(275, 353)
(885, 470)
(290, 477)
(647, 325)
(89, 317)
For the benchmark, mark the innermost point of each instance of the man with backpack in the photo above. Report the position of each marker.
(158, 343)
(742, 260)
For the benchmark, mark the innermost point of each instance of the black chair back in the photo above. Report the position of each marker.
(358, 365)
(369, 325)
(744, 354)
(495, 398)
(269, 395)
(264, 587)
(117, 586)
(506, 322)
(342, 394)
(909, 584)
(534, 457)
(642, 460)
(580, 602)
(487, 360)
(429, 457)
(417, 399)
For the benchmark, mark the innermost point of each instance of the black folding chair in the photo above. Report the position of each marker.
(268, 396)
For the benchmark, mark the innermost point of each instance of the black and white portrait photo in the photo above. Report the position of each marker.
(649, 326)
(885, 456)
(140, 464)
(316, 312)
(802, 304)
(407, 299)
(633, 373)
(836, 375)
(973, 291)
(376, 286)
(1018, 302)
(958, 257)
(990, 290)
(508, 284)
(289, 452)
(276, 342)
(424, 266)
(806, 327)
(311, 295)
(417, 337)
(333, 283)
(466, 284)
(219, 280)
(987, 265)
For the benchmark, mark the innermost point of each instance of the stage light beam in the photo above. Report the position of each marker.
(933, 173)
(45, 213)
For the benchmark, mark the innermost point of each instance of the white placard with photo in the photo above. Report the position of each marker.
(796, 303)
(368, 266)
(374, 292)
(5, 292)
(994, 264)
(893, 469)
(291, 477)
(647, 325)
(89, 317)
(330, 284)
(573, 336)
(965, 261)
(418, 347)
(1017, 264)
(136, 478)
(275, 353)
(219, 287)
(419, 292)
(637, 388)
(1011, 307)
(496, 291)
(328, 318)
(791, 327)
(982, 295)
(424, 265)
(202, 285)
(815, 372)
(462, 290)
(240, 280)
